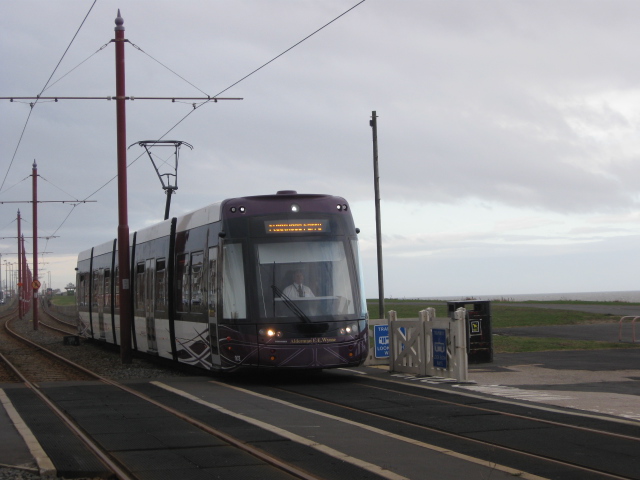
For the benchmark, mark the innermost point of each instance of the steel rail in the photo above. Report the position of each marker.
(256, 452)
(515, 415)
(110, 463)
(59, 320)
(458, 436)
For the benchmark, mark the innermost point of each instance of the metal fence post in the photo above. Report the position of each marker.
(460, 345)
(392, 315)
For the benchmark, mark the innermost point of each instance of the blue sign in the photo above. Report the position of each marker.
(381, 341)
(439, 339)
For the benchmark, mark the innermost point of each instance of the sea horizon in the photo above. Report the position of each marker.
(629, 296)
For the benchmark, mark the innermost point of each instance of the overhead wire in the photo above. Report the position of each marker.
(195, 107)
(46, 85)
(162, 64)
(24, 128)
(76, 67)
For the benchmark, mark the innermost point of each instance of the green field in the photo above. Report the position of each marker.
(504, 315)
(63, 300)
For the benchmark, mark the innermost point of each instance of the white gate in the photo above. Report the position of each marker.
(413, 346)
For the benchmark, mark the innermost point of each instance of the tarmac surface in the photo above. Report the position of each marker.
(599, 383)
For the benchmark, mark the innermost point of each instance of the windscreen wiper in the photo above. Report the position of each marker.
(290, 304)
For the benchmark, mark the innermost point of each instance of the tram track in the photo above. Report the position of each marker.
(115, 466)
(495, 443)
(424, 416)
(57, 324)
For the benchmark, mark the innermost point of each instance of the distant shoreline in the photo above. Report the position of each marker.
(629, 296)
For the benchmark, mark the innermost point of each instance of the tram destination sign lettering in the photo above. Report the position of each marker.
(296, 226)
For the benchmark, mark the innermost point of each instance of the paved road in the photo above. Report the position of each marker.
(599, 381)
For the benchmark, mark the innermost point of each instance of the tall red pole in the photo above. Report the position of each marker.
(25, 280)
(34, 287)
(19, 289)
(123, 217)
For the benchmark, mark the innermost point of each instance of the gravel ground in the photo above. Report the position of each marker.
(15, 474)
(101, 359)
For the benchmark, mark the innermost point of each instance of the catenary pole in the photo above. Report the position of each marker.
(376, 185)
(19, 289)
(33, 288)
(123, 216)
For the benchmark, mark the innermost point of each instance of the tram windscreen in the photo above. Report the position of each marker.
(304, 280)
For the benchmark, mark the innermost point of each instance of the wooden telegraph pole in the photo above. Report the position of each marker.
(376, 185)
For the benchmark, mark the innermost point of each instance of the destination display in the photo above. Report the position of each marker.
(296, 226)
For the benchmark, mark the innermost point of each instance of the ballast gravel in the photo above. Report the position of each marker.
(102, 359)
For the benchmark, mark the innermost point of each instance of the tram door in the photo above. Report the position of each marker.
(149, 303)
(212, 304)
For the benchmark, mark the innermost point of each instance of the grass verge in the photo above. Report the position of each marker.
(63, 300)
(507, 344)
(504, 315)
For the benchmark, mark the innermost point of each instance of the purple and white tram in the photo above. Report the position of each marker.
(209, 287)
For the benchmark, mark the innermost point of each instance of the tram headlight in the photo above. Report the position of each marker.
(349, 330)
(269, 332)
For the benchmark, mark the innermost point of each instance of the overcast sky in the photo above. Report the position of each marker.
(508, 131)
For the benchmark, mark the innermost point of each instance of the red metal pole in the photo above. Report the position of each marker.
(33, 288)
(19, 289)
(25, 280)
(123, 220)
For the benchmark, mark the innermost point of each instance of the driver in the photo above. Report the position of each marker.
(297, 289)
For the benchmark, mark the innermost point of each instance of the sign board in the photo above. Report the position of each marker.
(474, 327)
(381, 341)
(35, 284)
(439, 338)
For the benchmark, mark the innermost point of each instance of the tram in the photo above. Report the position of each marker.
(216, 288)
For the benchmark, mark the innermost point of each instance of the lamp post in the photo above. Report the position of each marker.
(166, 170)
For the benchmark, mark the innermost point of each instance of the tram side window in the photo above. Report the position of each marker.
(140, 284)
(96, 283)
(182, 283)
(197, 285)
(213, 271)
(107, 287)
(83, 290)
(356, 254)
(233, 289)
(160, 286)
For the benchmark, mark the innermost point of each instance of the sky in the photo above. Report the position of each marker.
(508, 142)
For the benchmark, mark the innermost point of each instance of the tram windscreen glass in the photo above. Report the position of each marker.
(287, 227)
(310, 277)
